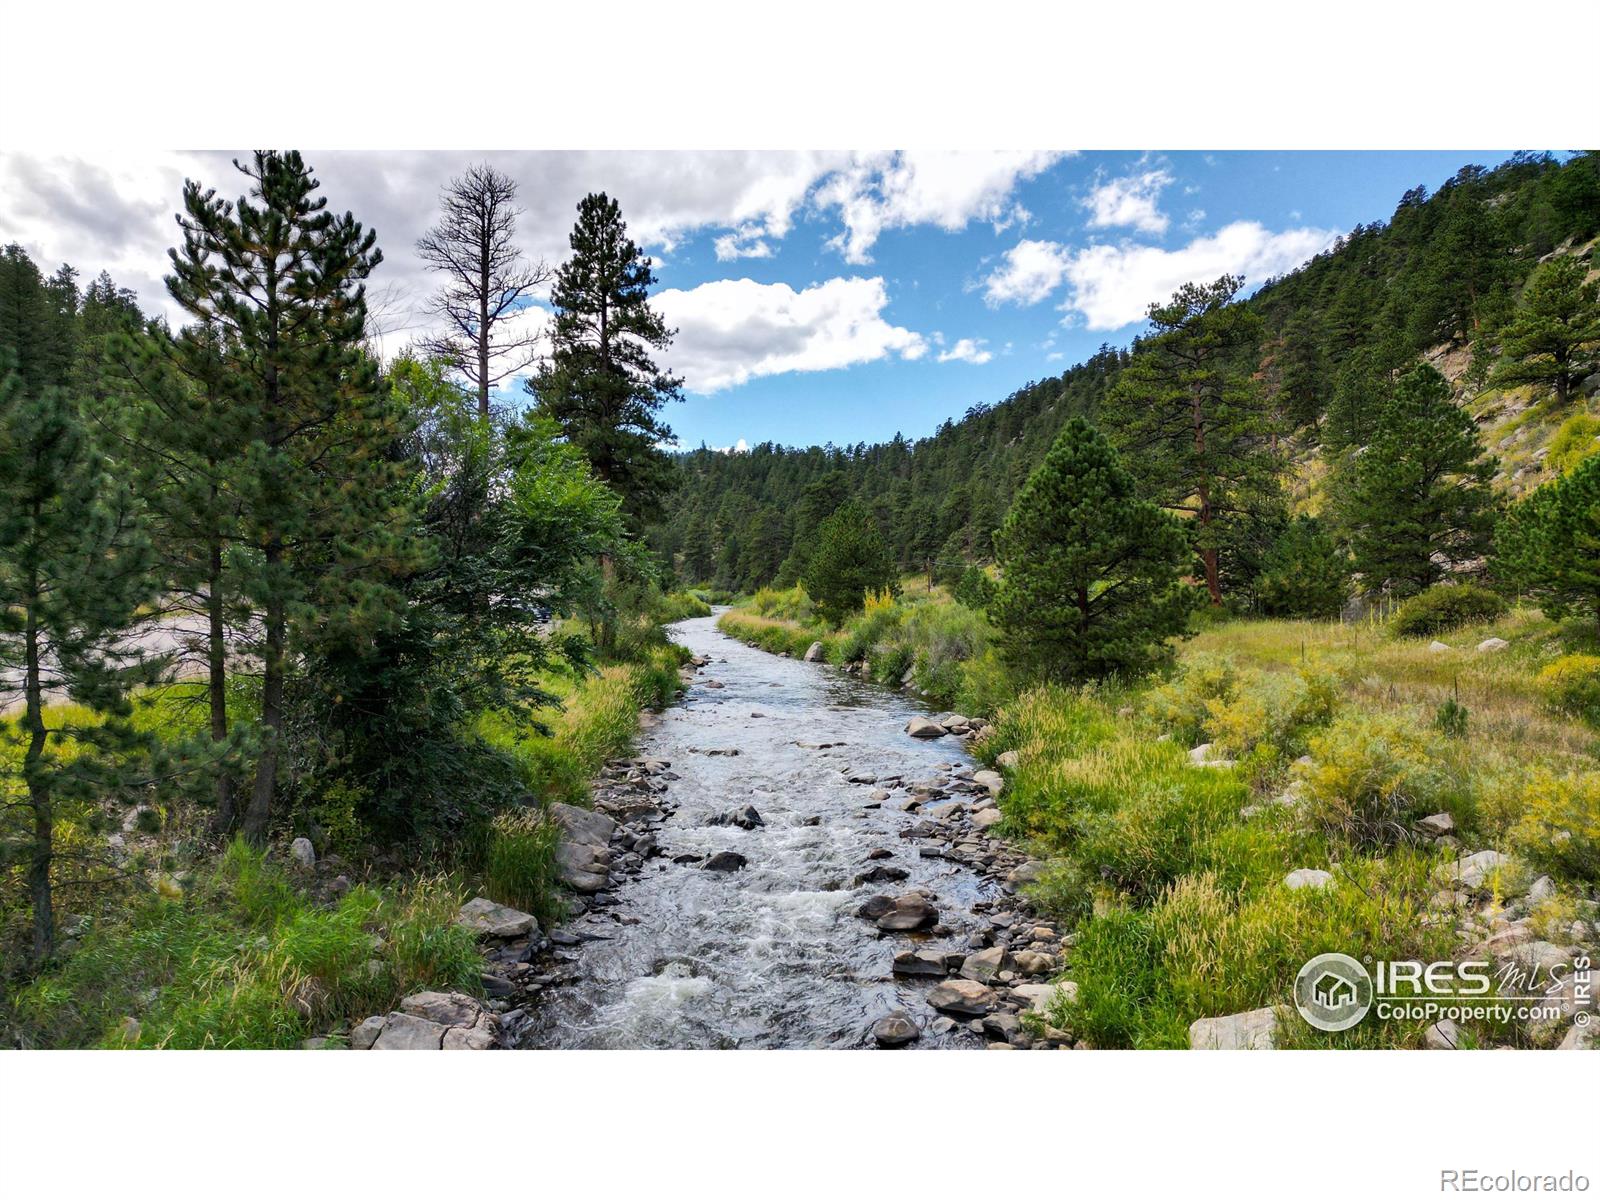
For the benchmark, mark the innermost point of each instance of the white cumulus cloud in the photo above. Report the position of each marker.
(948, 189)
(1029, 272)
(1112, 286)
(1130, 200)
(967, 350)
(734, 330)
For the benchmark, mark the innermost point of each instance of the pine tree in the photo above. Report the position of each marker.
(1305, 574)
(601, 385)
(74, 569)
(281, 282)
(1417, 502)
(1554, 338)
(1548, 544)
(1359, 394)
(1191, 423)
(849, 560)
(1091, 581)
(173, 408)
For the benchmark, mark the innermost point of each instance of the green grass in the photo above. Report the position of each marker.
(1172, 875)
(241, 958)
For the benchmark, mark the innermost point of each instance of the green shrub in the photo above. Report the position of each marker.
(974, 588)
(1446, 606)
(1452, 719)
(1571, 685)
(1182, 705)
(1276, 711)
(1371, 774)
(1560, 828)
(678, 606)
(1305, 574)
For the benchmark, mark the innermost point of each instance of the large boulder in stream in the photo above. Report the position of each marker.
(896, 1029)
(583, 856)
(962, 997)
(923, 727)
(490, 920)
(745, 818)
(726, 860)
(910, 911)
(813, 652)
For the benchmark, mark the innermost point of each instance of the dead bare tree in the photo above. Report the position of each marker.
(488, 280)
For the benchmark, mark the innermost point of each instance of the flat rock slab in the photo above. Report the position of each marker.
(490, 920)
(962, 997)
(401, 1031)
(1253, 1030)
(443, 1008)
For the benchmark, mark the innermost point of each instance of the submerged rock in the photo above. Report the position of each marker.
(725, 860)
(896, 1029)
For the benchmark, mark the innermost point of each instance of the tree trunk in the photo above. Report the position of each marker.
(483, 328)
(42, 851)
(217, 669)
(255, 817)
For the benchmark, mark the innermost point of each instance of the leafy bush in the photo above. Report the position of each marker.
(1576, 440)
(1276, 711)
(1182, 706)
(1560, 827)
(1371, 773)
(678, 606)
(1446, 606)
(1571, 685)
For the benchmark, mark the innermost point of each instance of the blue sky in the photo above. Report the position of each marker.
(819, 296)
(937, 281)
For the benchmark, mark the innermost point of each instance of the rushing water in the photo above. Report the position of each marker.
(773, 955)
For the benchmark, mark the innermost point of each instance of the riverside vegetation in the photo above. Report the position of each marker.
(1281, 627)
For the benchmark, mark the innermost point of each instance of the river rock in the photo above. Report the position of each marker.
(991, 781)
(1253, 1030)
(1443, 1035)
(881, 874)
(962, 997)
(1028, 872)
(874, 907)
(923, 727)
(725, 860)
(1034, 962)
(986, 964)
(1008, 760)
(813, 652)
(401, 1031)
(954, 722)
(1307, 877)
(920, 962)
(896, 1029)
(364, 1034)
(910, 911)
(1473, 871)
(745, 818)
(1041, 997)
(490, 920)
(583, 867)
(303, 853)
(443, 1008)
(1437, 825)
(987, 818)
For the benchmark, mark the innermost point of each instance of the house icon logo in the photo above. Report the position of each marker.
(1333, 992)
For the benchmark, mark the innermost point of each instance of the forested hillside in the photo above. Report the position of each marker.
(1315, 355)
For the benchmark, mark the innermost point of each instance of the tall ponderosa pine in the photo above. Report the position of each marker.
(1548, 544)
(602, 385)
(1554, 339)
(474, 245)
(1191, 423)
(186, 439)
(850, 559)
(280, 281)
(1091, 575)
(74, 570)
(1417, 502)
